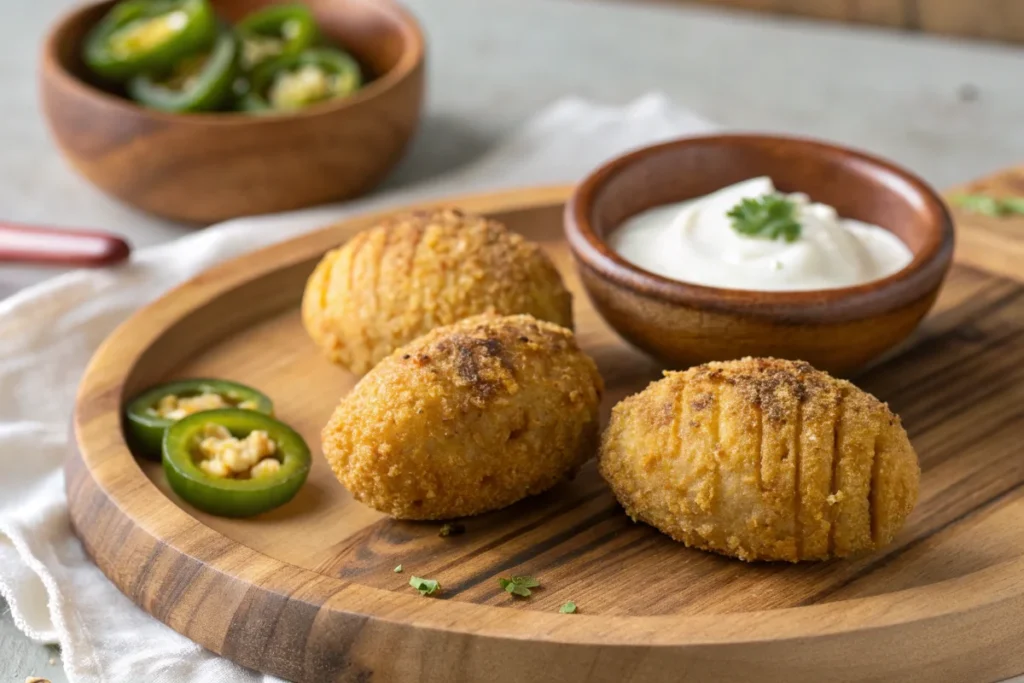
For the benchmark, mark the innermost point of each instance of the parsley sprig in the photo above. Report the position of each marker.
(770, 217)
(568, 608)
(425, 586)
(519, 585)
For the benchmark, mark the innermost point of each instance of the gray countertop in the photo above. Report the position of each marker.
(951, 110)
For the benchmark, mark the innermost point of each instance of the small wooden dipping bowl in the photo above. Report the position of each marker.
(213, 166)
(838, 330)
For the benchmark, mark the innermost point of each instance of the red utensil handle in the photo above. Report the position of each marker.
(32, 244)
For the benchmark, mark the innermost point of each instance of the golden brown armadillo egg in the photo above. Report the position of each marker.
(417, 271)
(468, 418)
(762, 459)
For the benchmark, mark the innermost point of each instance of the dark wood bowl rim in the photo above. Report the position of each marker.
(412, 58)
(921, 277)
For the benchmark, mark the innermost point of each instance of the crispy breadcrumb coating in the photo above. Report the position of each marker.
(417, 271)
(762, 459)
(468, 418)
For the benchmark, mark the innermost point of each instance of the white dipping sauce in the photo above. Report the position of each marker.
(694, 241)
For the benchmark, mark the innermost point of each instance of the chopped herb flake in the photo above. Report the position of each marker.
(770, 217)
(1013, 205)
(568, 608)
(451, 529)
(979, 203)
(398, 569)
(991, 206)
(425, 586)
(519, 585)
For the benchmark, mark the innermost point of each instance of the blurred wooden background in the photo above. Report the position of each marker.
(990, 19)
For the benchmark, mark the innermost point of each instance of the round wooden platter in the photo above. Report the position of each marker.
(308, 592)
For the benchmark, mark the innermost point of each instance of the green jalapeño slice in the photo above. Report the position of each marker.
(234, 463)
(296, 81)
(148, 36)
(149, 414)
(276, 31)
(200, 82)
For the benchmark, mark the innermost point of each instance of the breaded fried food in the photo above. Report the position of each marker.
(762, 459)
(468, 418)
(417, 271)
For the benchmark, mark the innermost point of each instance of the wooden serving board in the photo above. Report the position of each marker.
(308, 591)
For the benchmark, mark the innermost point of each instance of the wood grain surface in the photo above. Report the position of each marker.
(991, 19)
(210, 167)
(308, 591)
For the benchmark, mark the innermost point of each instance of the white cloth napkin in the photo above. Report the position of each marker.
(48, 333)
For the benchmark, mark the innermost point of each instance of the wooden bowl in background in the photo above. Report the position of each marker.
(213, 166)
(838, 330)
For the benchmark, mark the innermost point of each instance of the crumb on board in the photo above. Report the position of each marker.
(451, 529)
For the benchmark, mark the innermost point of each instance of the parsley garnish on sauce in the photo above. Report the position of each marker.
(425, 586)
(770, 217)
(991, 206)
(398, 569)
(519, 585)
(568, 608)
